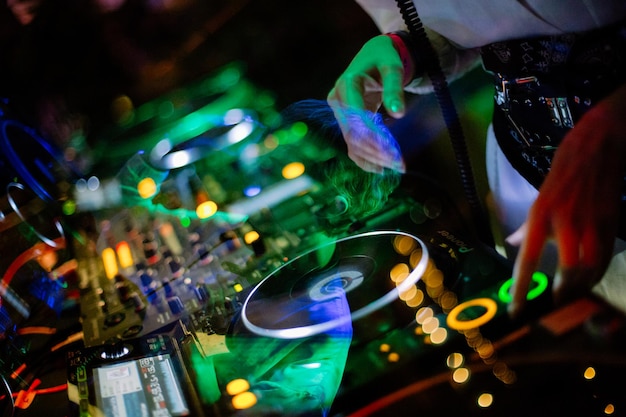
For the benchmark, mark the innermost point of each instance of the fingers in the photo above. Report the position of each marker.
(393, 93)
(373, 151)
(580, 265)
(526, 262)
(583, 255)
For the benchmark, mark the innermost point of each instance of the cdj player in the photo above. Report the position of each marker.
(249, 271)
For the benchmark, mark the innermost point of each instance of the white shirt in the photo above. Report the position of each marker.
(457, 28)
(471, 24)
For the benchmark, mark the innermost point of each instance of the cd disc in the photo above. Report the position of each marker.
(300, 298)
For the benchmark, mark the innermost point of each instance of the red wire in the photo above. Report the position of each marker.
(26, 256)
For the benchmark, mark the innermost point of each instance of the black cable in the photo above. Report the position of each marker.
(430, 60)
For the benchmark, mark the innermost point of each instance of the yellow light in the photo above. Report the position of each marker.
(434, 278)
(491, 309)
(460, 375)
(404, 245)
(237, 386)
(146, 188)
(430, 324)
(251, 236)
(238, 287)
(416, 257)
(455, 360)
(408, 294)
(439, 335)
(110, 263)
(423, 314)
(393, 357)
(206, 209)
(448, 300)
(399, 273)
(485, 400)
(293, 170)
(485, 349)
(417, 299)
(124, 254)
(244, 400)
(590, 373)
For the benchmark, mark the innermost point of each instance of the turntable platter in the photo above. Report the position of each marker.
(296, 300)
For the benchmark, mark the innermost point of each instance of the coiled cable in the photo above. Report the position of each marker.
(430, 60)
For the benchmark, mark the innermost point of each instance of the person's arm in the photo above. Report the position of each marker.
(378, 76)
(578, 204)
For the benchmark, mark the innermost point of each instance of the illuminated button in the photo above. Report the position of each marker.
(146, 188)
(124, 254)
(491, 309)
(109, 259)
(244, 400)
(206, 209)
(114, 350)
(237, 386)
(540, 281)
(293, 170)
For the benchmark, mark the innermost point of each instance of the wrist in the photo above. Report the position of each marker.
(407, 51)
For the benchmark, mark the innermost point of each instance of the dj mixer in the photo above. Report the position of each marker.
(247, 271)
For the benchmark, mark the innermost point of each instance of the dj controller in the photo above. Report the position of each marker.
(252, 272)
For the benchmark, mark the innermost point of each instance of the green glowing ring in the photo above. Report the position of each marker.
(539, 278)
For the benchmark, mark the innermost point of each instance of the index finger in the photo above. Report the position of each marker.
(526, 264)
(393, 90)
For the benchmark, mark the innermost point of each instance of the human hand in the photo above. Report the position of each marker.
(373, 78)
(578, 205)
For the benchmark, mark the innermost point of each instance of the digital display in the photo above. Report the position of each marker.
(143, 387)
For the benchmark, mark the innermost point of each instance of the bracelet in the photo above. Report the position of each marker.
(412, 65)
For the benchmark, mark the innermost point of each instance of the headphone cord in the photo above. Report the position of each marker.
(442, 92)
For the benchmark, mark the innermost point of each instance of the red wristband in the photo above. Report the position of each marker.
(405, 56)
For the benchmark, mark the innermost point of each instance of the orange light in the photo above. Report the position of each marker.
(251, 236)
(110, 263)
(293, 170)
(237, 386)
(206, 209)
(48, 259)
(124, 254)
(399, 273)
(490, 311)
(244, 400)
(146, 188)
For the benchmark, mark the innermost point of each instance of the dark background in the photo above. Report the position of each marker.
(293, 48)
